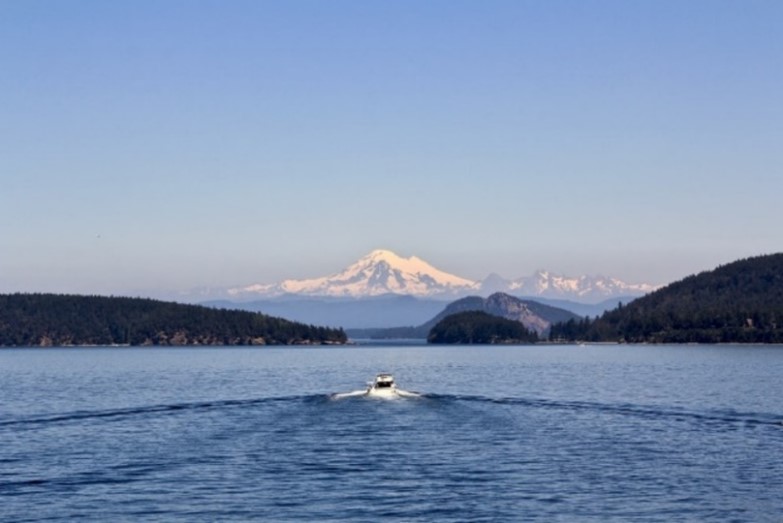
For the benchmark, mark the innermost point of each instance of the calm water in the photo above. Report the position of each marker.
(599, 433)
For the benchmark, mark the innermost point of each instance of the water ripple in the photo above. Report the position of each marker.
(81, 415)
(728, 416)
(629, 409)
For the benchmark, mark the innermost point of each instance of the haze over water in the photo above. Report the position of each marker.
(597, 433)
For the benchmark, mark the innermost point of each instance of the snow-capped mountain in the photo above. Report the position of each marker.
(380, 272)
(384, 272)
(549, 285)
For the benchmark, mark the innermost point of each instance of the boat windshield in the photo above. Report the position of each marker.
(384, 384)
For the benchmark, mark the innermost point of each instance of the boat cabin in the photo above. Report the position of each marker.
(384, 381)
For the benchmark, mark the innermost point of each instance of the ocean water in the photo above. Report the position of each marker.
(561, 433)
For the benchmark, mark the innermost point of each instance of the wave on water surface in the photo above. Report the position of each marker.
(722, 417)
(627, 409)
(152, 409)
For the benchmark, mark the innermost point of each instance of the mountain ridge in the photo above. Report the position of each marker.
(384, 272)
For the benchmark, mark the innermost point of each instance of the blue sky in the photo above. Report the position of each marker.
(160, 145)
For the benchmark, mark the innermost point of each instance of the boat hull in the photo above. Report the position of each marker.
(383, 393)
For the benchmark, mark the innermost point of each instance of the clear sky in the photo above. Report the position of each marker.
(156, 145)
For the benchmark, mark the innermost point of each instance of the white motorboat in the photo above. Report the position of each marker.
(383, 386)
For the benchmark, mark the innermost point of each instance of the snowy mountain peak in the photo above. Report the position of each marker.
(391, 259)
(379, 272)
(411, 267)
(382, 255)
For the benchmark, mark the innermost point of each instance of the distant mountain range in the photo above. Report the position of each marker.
(584, 289)
(383, 272)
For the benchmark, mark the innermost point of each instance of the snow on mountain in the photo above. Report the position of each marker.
(581, 288)
(380, 272)
(384, 272)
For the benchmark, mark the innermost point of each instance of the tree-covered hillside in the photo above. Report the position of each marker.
(741, 302)
(479, 327)
(54, 320)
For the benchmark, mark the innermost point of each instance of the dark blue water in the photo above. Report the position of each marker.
(600, 433)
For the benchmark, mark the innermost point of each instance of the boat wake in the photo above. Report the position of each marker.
(352, 394)
(165, 409)
(398, 394)
(716, 417)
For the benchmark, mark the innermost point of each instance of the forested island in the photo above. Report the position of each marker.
(480, 328)
(70, 320)
(533, 315)
(741, 302)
